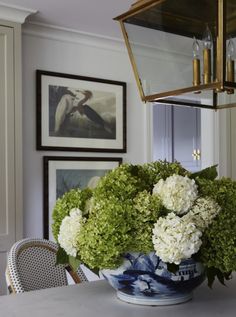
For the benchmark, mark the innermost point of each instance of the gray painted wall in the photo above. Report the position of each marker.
(94, 60)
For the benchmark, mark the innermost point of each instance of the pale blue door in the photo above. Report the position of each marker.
(176, 135)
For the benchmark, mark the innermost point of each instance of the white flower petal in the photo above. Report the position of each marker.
(177, 193)
(175, 239)
(69, 230)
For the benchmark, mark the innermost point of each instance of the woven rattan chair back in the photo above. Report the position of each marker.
(32, 266)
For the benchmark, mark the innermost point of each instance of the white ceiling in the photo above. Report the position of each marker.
(91, 16)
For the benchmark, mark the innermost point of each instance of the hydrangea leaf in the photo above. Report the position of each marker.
(207, 173)
(62, 257)
(74, 262)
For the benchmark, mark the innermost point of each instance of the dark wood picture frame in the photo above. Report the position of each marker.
(78, 113)
(65, 172)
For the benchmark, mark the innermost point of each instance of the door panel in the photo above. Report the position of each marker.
(3, 261)
(176, 135)
(162, 133)
(7, 153)
(186, 137)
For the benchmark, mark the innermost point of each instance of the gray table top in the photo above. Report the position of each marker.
(98, 299)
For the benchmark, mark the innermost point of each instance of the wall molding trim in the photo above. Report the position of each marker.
(14, 13)
(54, 32)
(63, 34)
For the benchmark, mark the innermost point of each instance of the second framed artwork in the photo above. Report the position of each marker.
(64, 173)
(78, 113)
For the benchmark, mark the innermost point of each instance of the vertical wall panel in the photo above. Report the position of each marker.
(7, 146)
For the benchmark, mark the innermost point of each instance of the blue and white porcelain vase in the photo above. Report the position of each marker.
(144, 279)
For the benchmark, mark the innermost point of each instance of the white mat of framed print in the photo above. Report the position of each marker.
(64, 173)
(78, 113)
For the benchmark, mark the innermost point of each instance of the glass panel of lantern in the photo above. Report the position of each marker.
(173, 44)
(230, 92)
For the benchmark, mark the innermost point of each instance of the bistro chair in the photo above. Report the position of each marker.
(32, 266)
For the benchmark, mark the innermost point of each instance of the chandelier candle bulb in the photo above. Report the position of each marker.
(196, 63)
(230, 64)
(207, 44)
(230, 75)
(196, 72)
(230, 70)
(206, 65)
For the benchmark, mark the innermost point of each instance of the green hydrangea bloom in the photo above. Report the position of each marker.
(75, 198)
(161, 170)
(124, 212)
(121, 211)
(219, 240)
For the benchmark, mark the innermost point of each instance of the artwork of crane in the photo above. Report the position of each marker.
(72, 103)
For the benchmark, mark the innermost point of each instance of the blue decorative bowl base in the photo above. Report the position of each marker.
(145, 280)
(154, 301)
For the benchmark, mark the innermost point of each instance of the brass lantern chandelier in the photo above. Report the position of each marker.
(182, 52)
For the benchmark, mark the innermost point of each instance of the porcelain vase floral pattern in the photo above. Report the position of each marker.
(144, 279)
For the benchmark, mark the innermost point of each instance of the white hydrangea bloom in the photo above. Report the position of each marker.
(203, 212)
(175, 239)
(69, 230)
(93, 182)
(177, 193)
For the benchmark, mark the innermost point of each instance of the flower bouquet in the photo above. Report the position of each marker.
(164, 214)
